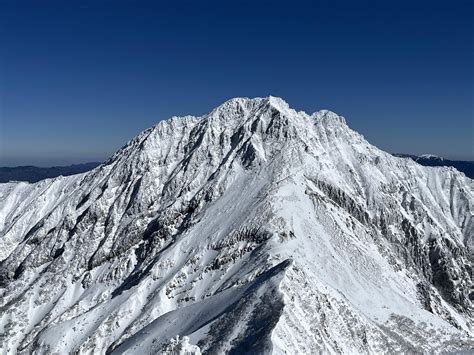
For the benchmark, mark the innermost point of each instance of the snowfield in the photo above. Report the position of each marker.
(254, 228)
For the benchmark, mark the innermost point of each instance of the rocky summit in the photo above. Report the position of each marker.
(254, 228)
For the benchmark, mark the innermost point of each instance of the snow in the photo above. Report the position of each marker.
(254, 228)
(430, 156)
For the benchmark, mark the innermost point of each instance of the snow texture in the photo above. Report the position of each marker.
(254, 228)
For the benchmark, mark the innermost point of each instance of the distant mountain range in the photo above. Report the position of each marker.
(35, 174)
(467, 167)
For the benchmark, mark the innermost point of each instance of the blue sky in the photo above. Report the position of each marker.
(80, 78)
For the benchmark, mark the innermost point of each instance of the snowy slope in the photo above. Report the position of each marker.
(253, 228)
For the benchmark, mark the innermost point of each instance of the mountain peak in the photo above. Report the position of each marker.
(271, 101)
(250, 116)
(234, 110)
(278, 103)
(327, 116)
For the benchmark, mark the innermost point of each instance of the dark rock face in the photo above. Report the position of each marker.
(448, 276)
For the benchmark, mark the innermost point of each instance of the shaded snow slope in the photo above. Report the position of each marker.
(253, 228)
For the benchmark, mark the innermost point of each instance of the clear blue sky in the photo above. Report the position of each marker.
(80, 78)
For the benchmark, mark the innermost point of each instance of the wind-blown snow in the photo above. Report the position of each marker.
(254, 228)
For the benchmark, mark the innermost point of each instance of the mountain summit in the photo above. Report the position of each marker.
(254, 228)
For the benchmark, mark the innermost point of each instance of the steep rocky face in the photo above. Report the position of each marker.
(252, 228)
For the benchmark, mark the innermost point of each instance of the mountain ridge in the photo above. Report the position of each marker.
(34, 174)
(465, 166)
(196, 209)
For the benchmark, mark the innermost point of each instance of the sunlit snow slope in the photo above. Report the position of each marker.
(254, 228)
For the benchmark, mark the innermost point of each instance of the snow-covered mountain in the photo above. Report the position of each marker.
(430, 156)
(254, 228)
